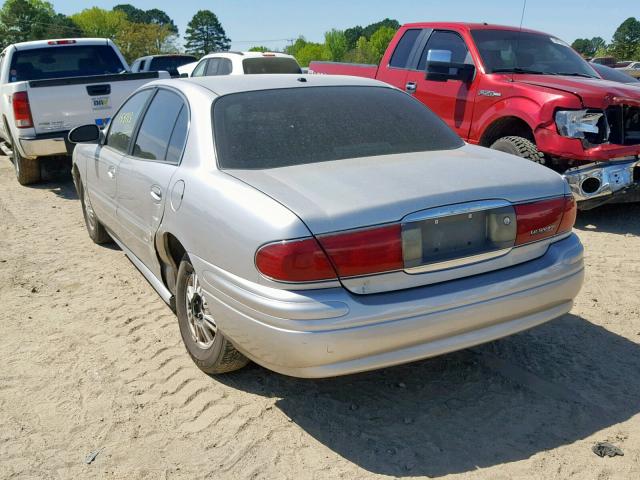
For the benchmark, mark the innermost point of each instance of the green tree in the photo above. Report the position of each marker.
(352, 35)
(140, 39)
(336, 44)
(309, 52)
(259, 48)
(626, 39)
(584, 47)
(205, 34)
(369, 30)
(24, 20)
(598, 44)
(380, 40)
(97, 22)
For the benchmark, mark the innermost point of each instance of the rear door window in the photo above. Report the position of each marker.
(157, 126)
(258, 65)
(64, 61)
(400, 57)
(123, 124)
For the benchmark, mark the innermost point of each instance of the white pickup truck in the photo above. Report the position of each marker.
(48, 87)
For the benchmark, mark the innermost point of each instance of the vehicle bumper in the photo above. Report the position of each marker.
(549, 142)
(330, 332)
(43, 145)
(603, 182)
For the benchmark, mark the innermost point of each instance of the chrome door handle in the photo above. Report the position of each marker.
(156, 193)
(410, 87)
(111, 171)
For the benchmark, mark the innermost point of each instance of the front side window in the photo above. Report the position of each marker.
(157, 126)
(258, 65)
(512, 51)
(123, 124)
(400, 57)
(64, 61)
(269, 129)
(447, 43)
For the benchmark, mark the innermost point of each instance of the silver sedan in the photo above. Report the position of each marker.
(324, 225)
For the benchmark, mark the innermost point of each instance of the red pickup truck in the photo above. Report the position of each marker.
(522, 92)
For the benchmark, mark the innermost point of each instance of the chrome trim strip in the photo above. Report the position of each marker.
(457, 209)
(458, 262)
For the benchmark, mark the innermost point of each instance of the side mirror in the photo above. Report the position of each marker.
(184, 75)
(440, 68)
(85, 134)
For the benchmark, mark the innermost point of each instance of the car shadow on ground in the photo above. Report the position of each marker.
(496, 403)
(617, 218)
(61, 186)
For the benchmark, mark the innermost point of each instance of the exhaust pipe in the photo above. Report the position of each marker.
(590, 185)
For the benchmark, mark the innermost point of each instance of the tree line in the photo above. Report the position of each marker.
(137, 32)
(625, 43)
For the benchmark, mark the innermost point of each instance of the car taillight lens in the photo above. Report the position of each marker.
(21, 110)
(539, 220)
(364, 252)
(295, 261)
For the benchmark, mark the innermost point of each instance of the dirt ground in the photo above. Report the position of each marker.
(92, 361)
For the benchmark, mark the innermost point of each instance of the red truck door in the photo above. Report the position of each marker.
(451, 100)
(394, 67)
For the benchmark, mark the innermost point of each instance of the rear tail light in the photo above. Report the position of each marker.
(363, 252)
(21, 110)
(295, 261)
(379, 249)
(547, 218)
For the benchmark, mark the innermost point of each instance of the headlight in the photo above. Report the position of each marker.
(575, 123)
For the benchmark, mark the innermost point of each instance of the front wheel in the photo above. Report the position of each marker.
(520, 147)
(210, 350)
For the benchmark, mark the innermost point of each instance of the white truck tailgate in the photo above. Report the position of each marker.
(65, 103)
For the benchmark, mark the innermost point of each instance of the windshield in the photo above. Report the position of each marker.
(295, 126)
(270, 65)
(525, 52)
(64, 61)
(170, 64)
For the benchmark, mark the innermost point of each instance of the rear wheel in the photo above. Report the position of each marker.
(210, 350)
(27, 170)
(520, 147)
(96, 230)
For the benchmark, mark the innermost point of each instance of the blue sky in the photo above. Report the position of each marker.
(250, 22)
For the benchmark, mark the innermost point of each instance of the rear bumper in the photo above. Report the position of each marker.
(330, 332)
(43, 145)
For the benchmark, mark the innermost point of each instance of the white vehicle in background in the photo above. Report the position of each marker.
(185, 70)
(48, 87)
(245, 63)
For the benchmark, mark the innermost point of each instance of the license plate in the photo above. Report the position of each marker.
(440, 239)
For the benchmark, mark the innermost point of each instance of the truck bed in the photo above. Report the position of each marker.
(339, 68)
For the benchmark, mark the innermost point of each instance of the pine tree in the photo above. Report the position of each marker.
(205, 34)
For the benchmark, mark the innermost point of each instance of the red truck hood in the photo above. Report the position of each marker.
(594, 93)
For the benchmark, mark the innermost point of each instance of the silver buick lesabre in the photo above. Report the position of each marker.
(324, 225)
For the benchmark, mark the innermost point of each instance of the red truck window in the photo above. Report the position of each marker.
(401, 54)
(446, 41)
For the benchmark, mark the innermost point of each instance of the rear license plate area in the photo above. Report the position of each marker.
(441, 240)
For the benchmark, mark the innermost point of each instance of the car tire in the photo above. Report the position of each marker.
(209, 349)
(96, 230)
(520, 147)
(27, 170)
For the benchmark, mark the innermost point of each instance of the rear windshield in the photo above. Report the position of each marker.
(270, 65)
(279, 128)
(64, 61)
(170, 64)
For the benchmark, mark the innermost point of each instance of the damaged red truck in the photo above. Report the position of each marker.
(522, 92)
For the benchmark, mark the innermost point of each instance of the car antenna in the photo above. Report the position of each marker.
(524, 7)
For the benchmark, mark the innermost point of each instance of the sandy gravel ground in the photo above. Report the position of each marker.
(92, 361)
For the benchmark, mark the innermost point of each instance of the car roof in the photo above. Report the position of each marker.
(246, 55)
(469, 26)
(227, 84)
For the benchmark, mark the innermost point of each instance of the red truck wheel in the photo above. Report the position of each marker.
(521, 147)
